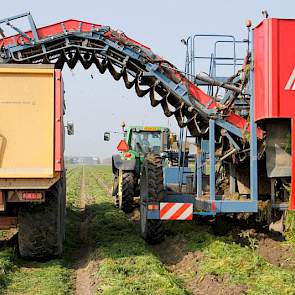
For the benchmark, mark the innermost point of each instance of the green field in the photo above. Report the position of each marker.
(104, 250)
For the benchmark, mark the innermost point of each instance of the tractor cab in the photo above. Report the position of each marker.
(143, 140)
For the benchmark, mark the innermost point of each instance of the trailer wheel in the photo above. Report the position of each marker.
(41, 226)
(126, 191)
(151, 189)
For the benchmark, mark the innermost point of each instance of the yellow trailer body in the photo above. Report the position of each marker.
(27, 121)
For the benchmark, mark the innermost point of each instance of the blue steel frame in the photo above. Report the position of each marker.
(228, 206)
(215, 205)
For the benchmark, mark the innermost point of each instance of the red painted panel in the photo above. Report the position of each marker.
(209, 103)
(69, 25)
(274, 63)
(59, 126)
(201, 96)
(274, 76)
(292, 197)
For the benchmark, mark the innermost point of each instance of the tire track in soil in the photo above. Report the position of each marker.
(85, 265)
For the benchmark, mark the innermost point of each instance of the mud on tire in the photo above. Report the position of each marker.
(41, 226)
(151, 188)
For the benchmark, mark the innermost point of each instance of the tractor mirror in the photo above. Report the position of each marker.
(70, 128)
(106, 136)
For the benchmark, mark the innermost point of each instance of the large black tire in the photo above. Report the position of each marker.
(116, 190)
(151, 189)
(115, 185)
(41, 226)
(127, 187)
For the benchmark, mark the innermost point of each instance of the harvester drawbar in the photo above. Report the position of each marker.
(236, 124)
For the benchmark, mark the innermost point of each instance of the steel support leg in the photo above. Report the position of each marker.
(199, 168)
(253, 147)
(212, 158)
(232, 178)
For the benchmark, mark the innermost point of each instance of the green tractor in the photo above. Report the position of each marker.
(138, 142)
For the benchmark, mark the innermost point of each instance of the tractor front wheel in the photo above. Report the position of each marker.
(116, 190)
(126, 191)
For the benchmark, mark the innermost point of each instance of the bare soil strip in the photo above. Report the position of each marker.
(84, 264)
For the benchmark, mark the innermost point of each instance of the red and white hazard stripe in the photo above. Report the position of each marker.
(176, 211)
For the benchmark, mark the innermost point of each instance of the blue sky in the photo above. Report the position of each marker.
(100, 104)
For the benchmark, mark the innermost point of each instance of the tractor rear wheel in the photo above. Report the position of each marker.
(41, 226)
(151, 189)
(126, 190)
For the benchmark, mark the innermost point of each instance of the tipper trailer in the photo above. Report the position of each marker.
(32, 180)
(242, 123)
